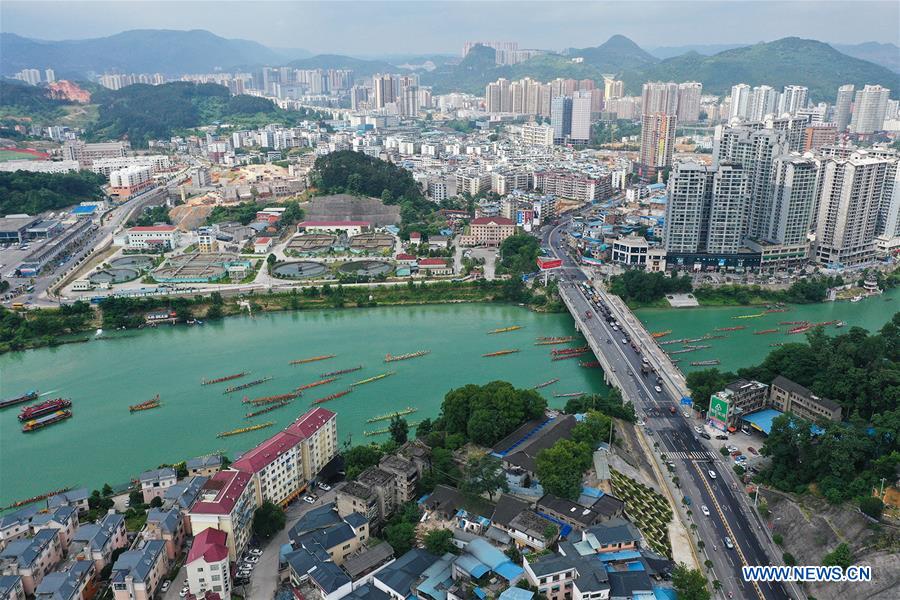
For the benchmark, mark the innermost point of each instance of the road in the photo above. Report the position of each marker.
(674, 433)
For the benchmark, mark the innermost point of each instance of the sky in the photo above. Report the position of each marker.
(425, 26)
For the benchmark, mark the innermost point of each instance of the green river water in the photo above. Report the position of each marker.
(103, 442)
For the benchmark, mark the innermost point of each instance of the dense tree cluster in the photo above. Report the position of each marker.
(358, 174)
(519, 254)
(42, 326)
(611, 404)
(268, 520)
(640, 286)
(33, 193)
(19, 99)
(690, 584)
(485, 414)
(560, 468)
(150, 216)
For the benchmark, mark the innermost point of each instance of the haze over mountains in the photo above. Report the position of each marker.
(820, 66)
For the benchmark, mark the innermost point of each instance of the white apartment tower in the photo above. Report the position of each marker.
(869, 109)
(843, 106)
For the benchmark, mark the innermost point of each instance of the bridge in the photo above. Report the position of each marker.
(620, 343)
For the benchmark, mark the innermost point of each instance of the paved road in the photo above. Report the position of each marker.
(674, 433)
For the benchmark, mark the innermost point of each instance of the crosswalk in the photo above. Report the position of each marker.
(691, 455)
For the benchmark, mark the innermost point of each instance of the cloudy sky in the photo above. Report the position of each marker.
(431, 26)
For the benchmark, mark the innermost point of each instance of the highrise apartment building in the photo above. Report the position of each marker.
(843, 106)
(687, 209)
(869, 108)
(793, 98)
(659, 97)
(561, 118)
(689, 94)
(657, 143)
(794, 186)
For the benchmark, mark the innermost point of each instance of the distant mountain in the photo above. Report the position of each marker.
(663, 52)
(886, 55)
(360, 67)
(616, 54)
(136, 51)
(782, 62)
(292, 53)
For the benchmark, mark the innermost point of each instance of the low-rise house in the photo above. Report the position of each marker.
(78, 582)
(262, 244)
(438, 242)
(182, 496)
(11, 587)
(205, 466)
(574, 514)
(435, 266)
(518, 451)
(406, 476)
(444, 501)
(97, 541)
(788, 396)
(398, 579)
(77, 498)
(532, 530)
(368, 561)
(612, 536)
(316, 570)
(166, 525)
(568, 575)
(137, 574)
(63, 519)
(226, 502)
(207, 564)
(32, 558)
(17, 524)
(353, 497)
(155, 482)
(325, 530)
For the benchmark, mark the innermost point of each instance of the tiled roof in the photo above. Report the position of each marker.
(494, 220)
(267, 452)
(153, 228)
(228, 486)
(310, 422)
(210, 544)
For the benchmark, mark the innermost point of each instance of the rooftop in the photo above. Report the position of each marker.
(210, 545)
(221, 492)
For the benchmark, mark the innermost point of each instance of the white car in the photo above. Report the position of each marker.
(698, 429)
(253, 560)
(255, 552)
(712, 474)
(182, 593)
(324, 487)
(309, 499)
(704, 510)
(658, 389)
(165, 586)
(728, 544)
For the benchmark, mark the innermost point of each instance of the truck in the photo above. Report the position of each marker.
(645, 367)
(673, 410)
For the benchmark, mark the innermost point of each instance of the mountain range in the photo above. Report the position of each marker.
(819, 66)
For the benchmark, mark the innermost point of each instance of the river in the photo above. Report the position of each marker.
(742, 348)
(103, 442)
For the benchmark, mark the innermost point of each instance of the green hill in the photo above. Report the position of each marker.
(20, 100)
(360, 67)
(782, 62)
(616, 54)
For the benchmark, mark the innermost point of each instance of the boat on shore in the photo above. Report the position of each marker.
(26, 397)
(342, 371)
(400, 413)
(303, 361)
(46, 420)
(550, 341)
(546, 383)
(391, 358)
(148, 405)
(44, 408)
(333, 396)
(244, 386)
(735, 328)
(270, 399)
(505, 329)
(765, 331)
(263, 411)
(225, 378)
(37, 498)
(316, 383)
(705, 363)
(659, 334)
(570, 395)
(500, 353)
(247, 429)
(371, 379)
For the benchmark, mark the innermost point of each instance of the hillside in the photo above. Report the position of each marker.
(135, 51)
(886, 55)
(20, 100)
(360, 67)
(616, 54)
(782, 62)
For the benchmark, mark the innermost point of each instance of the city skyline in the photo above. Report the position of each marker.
(381, 28)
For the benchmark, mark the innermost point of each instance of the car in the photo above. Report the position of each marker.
(752, 450)
(624, 341)
(253, 559)
(712, 474)
(705, 436)
(615, 327)
(309, 499)
(182, 593)
(698, 429)
(728, 543)
(255, 552)
(324, 487)
(721, 437)
(658, 389)
(165, 586)
(732, 448)
(740, 458)
(705, 510)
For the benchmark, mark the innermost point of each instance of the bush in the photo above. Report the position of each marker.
(268, 520)
(871, 506)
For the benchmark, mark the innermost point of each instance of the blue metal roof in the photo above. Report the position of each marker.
(620, 555)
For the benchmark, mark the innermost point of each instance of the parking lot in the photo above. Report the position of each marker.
(738, 443)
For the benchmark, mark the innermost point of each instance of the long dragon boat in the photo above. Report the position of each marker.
(244, 386)
(757, 315)
(765, 331)
(303, 361)
(371, 379)
(37, 498)
(391, 358)
(400, 413)
(263, 411)
(316, 383)
(225, 378)
(591, 364)
(690, 349)
(793, 322)
(659, 334)
(333, 396)
(568, 356)
(505, 329)
(384, 430)
(149, 404)
(342, 371)
(546, 383)
(560, 351)
(270, 399)
(500, 353)
(735, 328)
(570, 395)
(245, 429)
(550, 341)
(670, 342)
(705, 363)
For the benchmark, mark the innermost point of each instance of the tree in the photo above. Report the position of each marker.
(560, 468)
(841, 556)
(359, 458)
(439, 541)
(705, 383)
(399, 430)
(594, 429)
(270, 259)
(135, 498)
(156, 502)
(484, 475)
(107, 490)
(789, 559)
(550, 532)
(871, 506)
(401, 536)
(268, 520)
(424, 427)
(689, 584)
